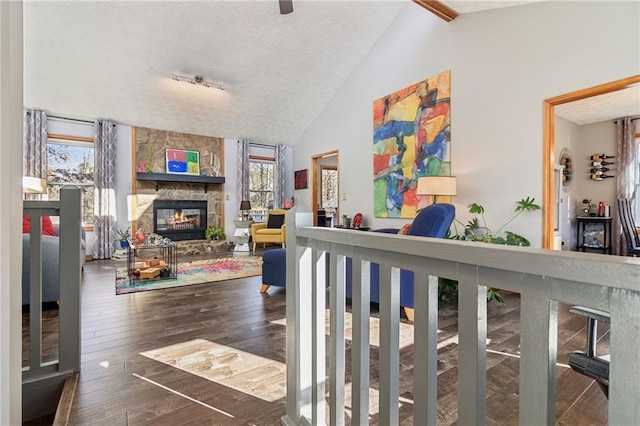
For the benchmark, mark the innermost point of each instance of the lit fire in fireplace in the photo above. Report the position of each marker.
(180, 221)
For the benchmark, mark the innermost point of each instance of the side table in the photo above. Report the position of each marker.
(242, 235)
(594, 234)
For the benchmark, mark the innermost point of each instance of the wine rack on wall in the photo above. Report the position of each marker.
(601, 167)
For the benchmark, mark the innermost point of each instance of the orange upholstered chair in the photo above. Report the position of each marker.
(271, 231)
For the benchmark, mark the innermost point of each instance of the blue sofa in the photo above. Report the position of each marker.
(274, 269)
(433, 221)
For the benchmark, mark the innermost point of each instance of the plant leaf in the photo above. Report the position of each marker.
(514, 239)
(527, 204)
(475, 208)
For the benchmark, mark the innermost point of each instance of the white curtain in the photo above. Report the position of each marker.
(279, 175)
(243, 171)
(104, 213)
(626, 173)
(34, 146)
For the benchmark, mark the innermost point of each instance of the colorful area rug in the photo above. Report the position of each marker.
(196, 272)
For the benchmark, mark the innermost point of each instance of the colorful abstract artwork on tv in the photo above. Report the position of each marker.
(411, 138)
(180, 161)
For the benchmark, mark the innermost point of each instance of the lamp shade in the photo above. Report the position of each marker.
(245, 205)
(34, 185)
(436, 185)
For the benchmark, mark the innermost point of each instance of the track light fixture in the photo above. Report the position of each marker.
(197, 79)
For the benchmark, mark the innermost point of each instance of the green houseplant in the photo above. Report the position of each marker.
(214, 233)
(478, 230)
(123, 236)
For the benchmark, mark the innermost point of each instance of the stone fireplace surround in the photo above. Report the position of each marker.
(149, 149)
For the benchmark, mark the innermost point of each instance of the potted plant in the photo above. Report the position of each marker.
(123, 237)
(214, 233)
(477, 230)
(346, 221)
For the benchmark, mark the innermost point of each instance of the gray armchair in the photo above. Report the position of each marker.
(50, 266)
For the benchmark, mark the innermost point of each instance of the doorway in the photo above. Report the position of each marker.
(325, 190)
(549, 160)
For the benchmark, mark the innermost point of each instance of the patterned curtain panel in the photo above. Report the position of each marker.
(34, 146)
(626, 173)
(243, 171)
(104, 139)
(278, 189)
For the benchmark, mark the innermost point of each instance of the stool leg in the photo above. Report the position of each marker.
(264, 288)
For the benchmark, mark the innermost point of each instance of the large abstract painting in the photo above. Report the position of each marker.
(411, 138)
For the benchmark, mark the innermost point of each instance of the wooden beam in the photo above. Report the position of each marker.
(441, 10)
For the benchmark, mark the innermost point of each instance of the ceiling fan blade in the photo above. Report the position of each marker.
(286, 6)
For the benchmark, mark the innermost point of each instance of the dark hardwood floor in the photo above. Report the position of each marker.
(214, 354)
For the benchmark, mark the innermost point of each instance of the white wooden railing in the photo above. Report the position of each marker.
(541, 277)
(42, 381)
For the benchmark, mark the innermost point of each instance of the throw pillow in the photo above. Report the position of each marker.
(405, 229)
(47, 226)
(275, 221)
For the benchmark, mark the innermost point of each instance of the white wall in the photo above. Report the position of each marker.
(231, 203)
(503, 63)
(11, 103)
(124, 167)
(567, 135)
(594, 138)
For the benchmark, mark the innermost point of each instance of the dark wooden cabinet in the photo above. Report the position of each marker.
(594, 234)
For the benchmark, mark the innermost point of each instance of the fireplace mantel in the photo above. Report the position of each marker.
(167, 177)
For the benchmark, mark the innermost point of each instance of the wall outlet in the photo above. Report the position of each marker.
(226, 196)
(344, 196)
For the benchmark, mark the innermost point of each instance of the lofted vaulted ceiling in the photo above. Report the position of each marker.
(115, 59)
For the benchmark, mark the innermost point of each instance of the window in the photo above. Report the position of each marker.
(329, 186)
(261, 184)
(70, 163)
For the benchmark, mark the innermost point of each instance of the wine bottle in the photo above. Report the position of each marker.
(596, 157)
(600, 170)
(600, 163)
(600, 177)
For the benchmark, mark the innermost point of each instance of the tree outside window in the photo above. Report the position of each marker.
(261, 184)
(71, 164)
(329, 186)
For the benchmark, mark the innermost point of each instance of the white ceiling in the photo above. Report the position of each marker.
(114, 60)
(98, 59)
(623, 103)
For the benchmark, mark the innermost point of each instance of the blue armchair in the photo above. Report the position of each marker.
(433, 221)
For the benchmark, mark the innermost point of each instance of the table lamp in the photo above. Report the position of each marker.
(245, 206)
(436, 185)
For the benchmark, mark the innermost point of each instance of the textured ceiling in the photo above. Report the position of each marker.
(623, 103)
(114, 60)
